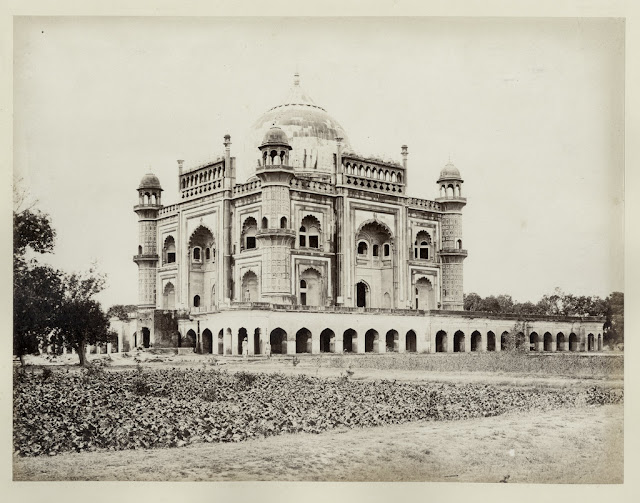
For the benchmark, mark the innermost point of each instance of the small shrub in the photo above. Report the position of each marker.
(295, 360)
(46, 373)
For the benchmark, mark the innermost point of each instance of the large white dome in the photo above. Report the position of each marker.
(311, 131)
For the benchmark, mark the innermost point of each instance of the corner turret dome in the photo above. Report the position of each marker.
(275, 136)
(150, 181)
(449, 172)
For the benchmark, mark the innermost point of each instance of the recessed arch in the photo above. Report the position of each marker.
(371, 341)
(441, 341)
(278, 341)
(392, 341)
(327, 341)
(476, 341)
(349, 341)
(411, 342)
(303, 341)
(459, 342)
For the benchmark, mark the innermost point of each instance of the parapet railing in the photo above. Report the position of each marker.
(424, 203)
(245, 188)
(361, 182)
(312, 185)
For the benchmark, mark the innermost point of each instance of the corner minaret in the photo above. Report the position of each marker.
(452, 254)
(149, 204)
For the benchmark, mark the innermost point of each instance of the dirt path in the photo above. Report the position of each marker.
(563, 446)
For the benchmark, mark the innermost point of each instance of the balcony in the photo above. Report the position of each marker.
(455, 252)
(276, 232)
(145, 258)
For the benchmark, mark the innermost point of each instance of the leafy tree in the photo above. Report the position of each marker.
(614, 326)
(81, 320)
(490, 305)
(472, 302)
(506, 303)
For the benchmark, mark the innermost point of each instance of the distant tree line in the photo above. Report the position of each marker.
(559, 304)
(51, 307)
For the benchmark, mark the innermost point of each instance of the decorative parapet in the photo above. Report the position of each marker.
(423, 203)
(145, 258)
(169, 209)
(276, 232)
(454, 252)
(312, 185)
(364, 183)
(202, 179)
(246, 188)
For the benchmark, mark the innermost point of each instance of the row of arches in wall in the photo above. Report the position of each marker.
(308, 234)
(375, 173)
(202, 177)
(535, 342)
(451, 190)
(303, 342)
(278, 157)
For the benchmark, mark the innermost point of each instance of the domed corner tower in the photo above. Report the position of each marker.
(452, 254)
(310, 130)
(275, 237)
(149, 204)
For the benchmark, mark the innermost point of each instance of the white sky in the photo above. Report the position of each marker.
(530, 110)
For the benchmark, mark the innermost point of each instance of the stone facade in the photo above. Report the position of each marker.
(320, 250)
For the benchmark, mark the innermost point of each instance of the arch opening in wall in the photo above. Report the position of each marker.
(504, 341)
(242, 337)
(303, 341)
(371, 341)
(207, 342)
(250, 287)
(441, 342)
(201, 239)
(424, 295)
(476, 341)
(196, 301)
(561, 342)
(248, 235)
(139, 249)
(362, 294)
(422, 245)
(387, 250)
(573, 342)
(312, 293)
(169, 249)
(520, 341)
(278, 341)
(220, 342)
(283, 222)
(591, 342)
(548, 342)
(491, 341)
(392, 341)
(533, 341)
(459, 244)
(190, 341)
(375, 234)
(169, 296)
(265, 223)
(146, 337)
(459, 342)
(327, 341)
(386, 301)
(599, 342)
(228, 336)
(362, 249)
(349, 341)
(257, 350)
(310, 236)
(411, 342)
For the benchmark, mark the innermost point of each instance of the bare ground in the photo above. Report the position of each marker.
(582, 445)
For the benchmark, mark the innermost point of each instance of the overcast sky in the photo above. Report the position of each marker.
(531, 111)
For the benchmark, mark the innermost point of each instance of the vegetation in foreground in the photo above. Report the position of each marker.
(56, 412)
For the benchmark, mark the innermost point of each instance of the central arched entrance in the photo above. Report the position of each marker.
(441, 342)
(573, 342)
(491, 341)
(277, 340)
(392, 341)
(476, 341)
(458, 341)
(548, 339)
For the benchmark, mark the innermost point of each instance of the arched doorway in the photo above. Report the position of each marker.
(573, 342)
(257, 350)
(242, 335)
(476, 341)
(303, 341)
(349, 341)
(327, 341)
(371, 341)
(207, 341)
(504, 341)
(191, 339)
(277, 339)
(410, 342)
(425, 299)
(146, 337)
(169, 300)
(599, 342)
(458, 341)
(362, 294)
(392, 341)
(591, 342)
(441, 342)
(311, 288)
(221, 342)
(249, 287)
(533, 341)
(491, 341)
(561, 342)
(548, 341)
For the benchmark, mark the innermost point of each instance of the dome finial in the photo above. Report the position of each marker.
(296, 79)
